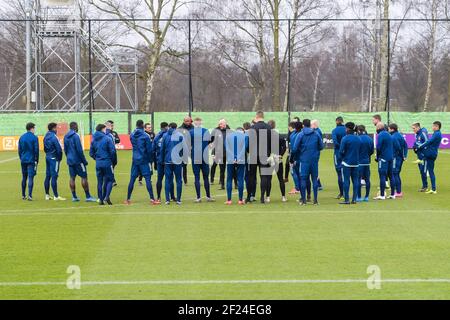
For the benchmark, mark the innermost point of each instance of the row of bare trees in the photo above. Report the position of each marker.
(249, 56)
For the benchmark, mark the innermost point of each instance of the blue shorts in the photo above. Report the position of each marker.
(106, 172)
(29, 169)
(52, 169)
(78, 170)
(385, 167)
(397, 165)
(144, 170)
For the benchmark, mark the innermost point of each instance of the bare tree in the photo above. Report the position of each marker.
(152, 32)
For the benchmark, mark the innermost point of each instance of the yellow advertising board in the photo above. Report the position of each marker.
(11, 143)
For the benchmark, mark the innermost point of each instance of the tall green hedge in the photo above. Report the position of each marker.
(14, 124)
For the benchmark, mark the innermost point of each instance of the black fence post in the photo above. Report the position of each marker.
(152, 120)
(91, 98)
(288, 98)
(129, 122)
(191, 98)
(388, 80)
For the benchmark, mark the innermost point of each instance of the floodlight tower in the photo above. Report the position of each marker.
(56, 42)
(28, 13)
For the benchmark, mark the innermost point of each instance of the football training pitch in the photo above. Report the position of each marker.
(212, 251)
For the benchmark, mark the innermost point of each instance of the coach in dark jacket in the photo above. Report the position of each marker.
(186, 128)
(260, 131)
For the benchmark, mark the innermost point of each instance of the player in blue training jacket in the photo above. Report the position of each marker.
(421, 138)
(174, 152)
(76, 162)
(306, 152)
(365, 153)
(103, 151)
(236, 149)
(200, 138)
(400, 155)
(157, 155)
(53, 157)
(430, 150)
(337, 134)
(316, 127)
(29, 159)
(349, 150)
(385, 159)
(141, 162)
(297, 128)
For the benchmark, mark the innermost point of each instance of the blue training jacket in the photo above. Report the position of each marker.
(400, 146)
(431, 147)
(337, 135)
(200, 140)
(385, 146)
(366, 150)
(52, 147)
(173, 144)
(236, 147)
(307, 146)
(421, 138)
(28, 148)
(157, 145)
(103, 150)
(319, 131)
(73, 149)
(349, 150)
(142, 147)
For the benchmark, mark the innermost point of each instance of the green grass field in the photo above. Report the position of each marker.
(196, 251)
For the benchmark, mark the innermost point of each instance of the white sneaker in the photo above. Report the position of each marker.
(391, 197)
(283, 199)
(198, 200)
(379, 198)
(48, 197)
(267, 200)
(210, 200)
(59, 199)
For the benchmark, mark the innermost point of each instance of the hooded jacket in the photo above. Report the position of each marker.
(173, 144)
(142, 147)
(73, 149)
(385, 146)
(366, 150)
(349, 150)
(292, 137)
(307, 146)
(157, 145)
(337, 135)
(103, 150)
(200, 140)
(400, 146)
(431, 147)
(28, 148)
(218, 136)
(421, 138)
(236, 146)
(52, 147)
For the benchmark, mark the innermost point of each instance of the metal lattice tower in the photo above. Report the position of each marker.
(56, 75)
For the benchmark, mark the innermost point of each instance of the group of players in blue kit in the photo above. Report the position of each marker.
(169, 150)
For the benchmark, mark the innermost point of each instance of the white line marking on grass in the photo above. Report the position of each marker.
(210, 282)
(66, 212)
(9, 160)
(50, 211)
